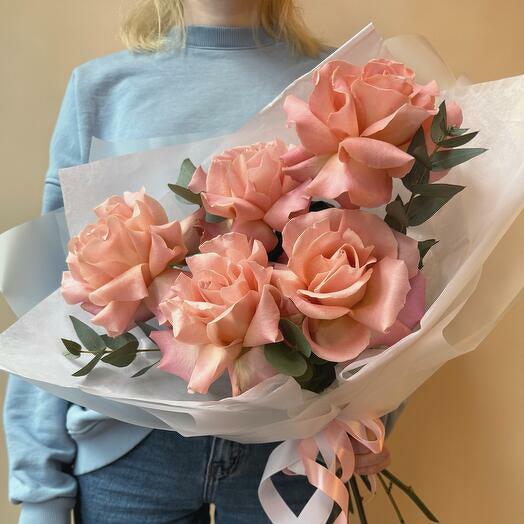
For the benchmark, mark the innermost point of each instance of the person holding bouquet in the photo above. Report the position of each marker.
(193, 69)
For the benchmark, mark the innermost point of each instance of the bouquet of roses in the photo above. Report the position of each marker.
(263, 279)
(289, 295)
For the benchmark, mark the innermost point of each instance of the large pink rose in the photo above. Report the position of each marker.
(114, 262)
(354, 279)
(247, 185)
(355, 128)
(222, 314)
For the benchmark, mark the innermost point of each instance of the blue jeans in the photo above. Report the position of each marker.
(170, 479)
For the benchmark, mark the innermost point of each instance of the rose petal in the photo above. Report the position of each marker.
(263, 328)
(314, 135)
(408, 252)
(116, 317)
(127, 287)
(415, 306)
(385, 295)
(336, 340)
(249, 370)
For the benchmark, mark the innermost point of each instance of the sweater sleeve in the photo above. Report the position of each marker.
(41, 451)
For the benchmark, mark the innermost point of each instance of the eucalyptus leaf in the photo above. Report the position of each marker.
(285, 360)
(186, 194)
(457, 131)
(89, 366)
(397, 212)
(439, 126)
(72, 347)
(186, 173)
(419, 174)
(444, 160)
(304, 379)
(423, 208)
(420, 171)
(294, 336)
(437, 190)
(71, 356)
(460, 140)
(418, 148)
(423, 247)
(120, 341)
(143, 371)
(91, 340)
(146, 329)
(123, 356)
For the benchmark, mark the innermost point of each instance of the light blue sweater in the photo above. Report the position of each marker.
(221, 78)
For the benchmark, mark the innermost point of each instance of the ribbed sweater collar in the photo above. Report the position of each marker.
(218, 37)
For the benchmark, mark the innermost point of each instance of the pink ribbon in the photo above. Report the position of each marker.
(300, 457)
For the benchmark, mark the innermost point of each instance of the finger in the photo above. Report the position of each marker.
(371, 467)
(371, 459)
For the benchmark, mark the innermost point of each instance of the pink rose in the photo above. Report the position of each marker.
(354, 279)
(113, 262)
(247, 185)
(222, 314)
(355, 128)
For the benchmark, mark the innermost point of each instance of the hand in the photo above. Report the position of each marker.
(366, 462)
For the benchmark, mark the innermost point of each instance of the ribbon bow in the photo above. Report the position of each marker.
(300, 457)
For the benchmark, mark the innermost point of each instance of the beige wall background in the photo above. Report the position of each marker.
(459, 442)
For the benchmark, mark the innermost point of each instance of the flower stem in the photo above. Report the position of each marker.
(387, 489)
(409, 491)
(358, 500)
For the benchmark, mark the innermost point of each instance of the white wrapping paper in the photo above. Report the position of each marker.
(468, 228)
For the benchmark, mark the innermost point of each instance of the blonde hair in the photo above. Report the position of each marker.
(145, 27)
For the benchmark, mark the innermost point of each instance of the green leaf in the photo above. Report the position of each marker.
(418, 149)
(396, 216)
(420, 171)
(444, 160)
(295, 337)
(304, 379)
(419, 174)
(186, 194)
(285, 360)
(89, 366)
(143, 371)
(437, 190)
(186, 173)
(118, 342)
(457, 131)
(423, 247)
(458, 141)
(146, 329)
(70, 356)
(72, 347)
(123, 356)
(423, 208)
(91, 340)
(439, 126)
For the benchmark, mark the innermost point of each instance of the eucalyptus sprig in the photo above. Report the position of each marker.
(427, 198)
(118, 351)
(295, 358)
